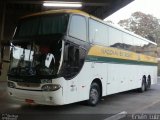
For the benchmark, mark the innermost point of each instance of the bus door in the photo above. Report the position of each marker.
(71, 69)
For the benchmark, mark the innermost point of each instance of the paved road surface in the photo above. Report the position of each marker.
(131, 102)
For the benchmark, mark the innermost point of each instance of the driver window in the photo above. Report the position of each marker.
(78, 27)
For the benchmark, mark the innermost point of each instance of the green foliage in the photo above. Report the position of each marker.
(144, 25)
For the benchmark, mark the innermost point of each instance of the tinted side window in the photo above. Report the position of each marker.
(98, 32)
(144, 47)
(115, 38)
(128, 42)
(73, 60)
(78, 27)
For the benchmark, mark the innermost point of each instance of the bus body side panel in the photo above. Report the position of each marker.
(125, 69)
(115, 78)
(90, 72)
(122, 77)
(116, 75)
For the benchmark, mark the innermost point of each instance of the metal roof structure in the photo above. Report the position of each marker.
(12, 10)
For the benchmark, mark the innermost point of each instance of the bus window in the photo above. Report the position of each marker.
(35, 58)
(115, 38)
(73, 60)
(42, 26)
(78, 30)
(128, 42)
(98, 32)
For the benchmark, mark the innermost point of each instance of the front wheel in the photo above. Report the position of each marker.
(94, 95)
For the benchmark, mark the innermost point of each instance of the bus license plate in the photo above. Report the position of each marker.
(29, 101)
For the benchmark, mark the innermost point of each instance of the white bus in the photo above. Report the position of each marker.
(64, 56)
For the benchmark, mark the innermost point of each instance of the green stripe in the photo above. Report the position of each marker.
(117, 61)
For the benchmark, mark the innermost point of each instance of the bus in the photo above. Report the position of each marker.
(60, 57)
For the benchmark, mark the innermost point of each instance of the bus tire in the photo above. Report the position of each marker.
(94, 95)
(149, 82)
(143, 86)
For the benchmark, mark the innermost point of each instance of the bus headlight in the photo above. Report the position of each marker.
(50, 87)
(11, 85)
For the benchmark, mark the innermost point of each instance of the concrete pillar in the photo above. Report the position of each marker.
(3, 9)
(4, 70)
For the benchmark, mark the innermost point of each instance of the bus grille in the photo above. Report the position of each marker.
(28, 84)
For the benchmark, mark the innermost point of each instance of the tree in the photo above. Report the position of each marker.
(144, 25)
(109, 21)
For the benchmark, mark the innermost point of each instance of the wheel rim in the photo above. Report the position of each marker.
(94, 96)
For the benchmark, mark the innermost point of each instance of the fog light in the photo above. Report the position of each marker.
(11, 85)
(50, 87)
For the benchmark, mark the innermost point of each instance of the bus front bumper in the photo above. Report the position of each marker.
(37, 97)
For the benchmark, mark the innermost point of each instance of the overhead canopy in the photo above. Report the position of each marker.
(11, 10)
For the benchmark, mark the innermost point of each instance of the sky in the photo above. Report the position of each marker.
(146, 6)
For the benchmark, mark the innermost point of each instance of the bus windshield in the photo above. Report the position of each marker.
(36, 46)
(35, 58)
(42, 25)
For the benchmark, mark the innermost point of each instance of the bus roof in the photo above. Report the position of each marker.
(71, 11)
(58, 11)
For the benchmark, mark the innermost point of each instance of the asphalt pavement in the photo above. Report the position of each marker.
(135, 105)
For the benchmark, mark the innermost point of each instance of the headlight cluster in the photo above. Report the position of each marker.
(50, 87)
(11, 85)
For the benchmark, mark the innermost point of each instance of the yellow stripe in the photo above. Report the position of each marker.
(57, 11)
(109, 52)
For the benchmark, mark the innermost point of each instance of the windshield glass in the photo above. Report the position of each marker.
(39, 58)
(42, 25)
(36, 46)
